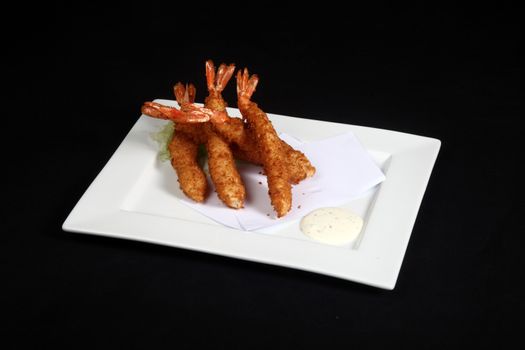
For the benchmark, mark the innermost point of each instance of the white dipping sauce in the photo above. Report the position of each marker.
(334, 226)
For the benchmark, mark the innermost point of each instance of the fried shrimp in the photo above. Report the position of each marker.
(184, 146)
(223, 172)
(273, 154)
(184, 149)
(188, 113)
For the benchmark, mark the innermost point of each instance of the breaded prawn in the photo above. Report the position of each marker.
(184, 146)
(221, 163)
(273, 154)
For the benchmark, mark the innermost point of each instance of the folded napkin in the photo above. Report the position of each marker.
(344, 171)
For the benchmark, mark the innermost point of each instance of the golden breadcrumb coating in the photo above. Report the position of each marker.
(192, 179)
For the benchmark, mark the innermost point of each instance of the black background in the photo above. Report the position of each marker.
(76, 78)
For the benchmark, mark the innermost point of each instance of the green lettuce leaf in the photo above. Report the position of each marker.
(163, 138)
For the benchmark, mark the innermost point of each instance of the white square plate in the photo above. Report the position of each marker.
(135, 197)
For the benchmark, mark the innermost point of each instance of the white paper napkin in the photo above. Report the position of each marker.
(344, 171)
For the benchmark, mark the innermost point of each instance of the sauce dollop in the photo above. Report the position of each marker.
(335, 226)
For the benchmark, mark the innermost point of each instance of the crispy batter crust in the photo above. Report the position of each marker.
(273, 155)
(244, 147)
(194, 131)
(299, 167)
(223, 172)
(192, 179)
